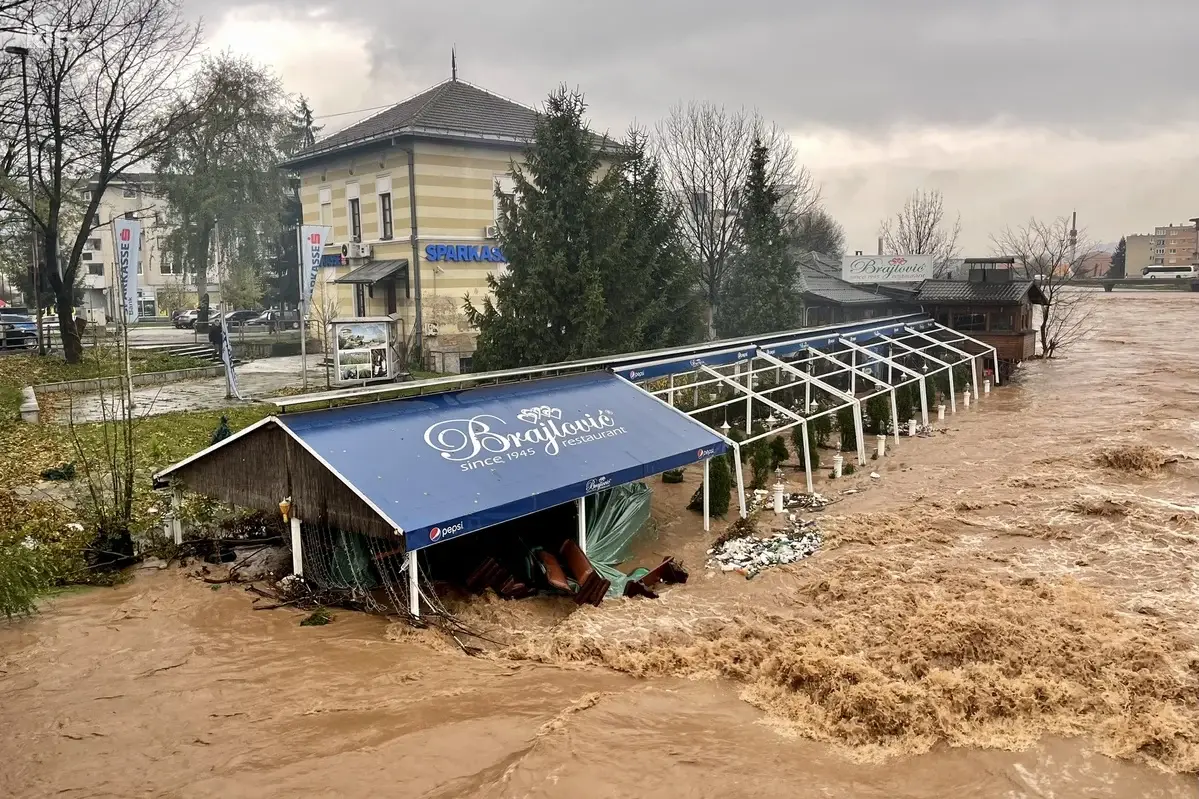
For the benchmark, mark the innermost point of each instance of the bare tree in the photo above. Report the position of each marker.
(323, 310)
(705, 153)
(921, 228)
(1052, 254)
(105, 76)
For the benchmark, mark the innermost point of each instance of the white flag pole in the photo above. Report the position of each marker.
(300, 256)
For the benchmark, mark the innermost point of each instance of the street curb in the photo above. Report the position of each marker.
(146, 379)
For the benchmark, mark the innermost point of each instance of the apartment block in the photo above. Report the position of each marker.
(131, 195)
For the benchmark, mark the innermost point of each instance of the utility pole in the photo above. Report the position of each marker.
(34, 272)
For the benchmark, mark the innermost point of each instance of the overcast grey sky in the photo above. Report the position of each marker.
(1011, 108)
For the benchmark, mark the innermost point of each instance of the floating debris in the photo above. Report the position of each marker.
(761, 499)
(752, 554)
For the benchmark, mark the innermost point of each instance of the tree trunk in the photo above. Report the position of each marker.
(72, 347)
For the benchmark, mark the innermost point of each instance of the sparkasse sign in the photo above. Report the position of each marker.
(887, 268)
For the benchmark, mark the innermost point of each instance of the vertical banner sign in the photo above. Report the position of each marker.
(128, 233)
(312, 244)
(227, 356)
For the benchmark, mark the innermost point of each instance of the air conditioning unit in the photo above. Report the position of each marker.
(491, 232)
(356, 250)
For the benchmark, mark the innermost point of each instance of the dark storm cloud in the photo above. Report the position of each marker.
(1100, 68)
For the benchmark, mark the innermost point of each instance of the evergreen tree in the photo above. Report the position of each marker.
(759, 294)
(560, 240)
(1119, 260)
(304, 132)
(651, 296)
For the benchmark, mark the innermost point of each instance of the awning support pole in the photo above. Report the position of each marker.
(740, 480)
(297, 549)
(581, 504)
(670, 391)
(749, 398)
(940, 363)
(853, 372)
(413, 585)
(807, 457)
(176, 519)
(707, 494)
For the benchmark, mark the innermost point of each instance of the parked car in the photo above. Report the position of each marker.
(20, 322)
(235, 318)
(186, 319)
(16, 335)
(283, 320)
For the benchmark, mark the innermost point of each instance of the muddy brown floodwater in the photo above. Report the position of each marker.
(1010, 611)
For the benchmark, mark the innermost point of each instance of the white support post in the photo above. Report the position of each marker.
(924, 399)
(966, 398)
(895, 416)
(807, 394)
(911, 428)
(995, 358)
(807, 457)
(749, 398)
(941, 412)
(740, 481)
(974, 373)
(413, 585)
(838, 465)
(953, 397)
(890, 364)
(176, 520)
(853, 372)
(581, 505)
(297, 549)
(670, 392)
(986, 388)
(882, 446)
(707, 493)
(860, 431)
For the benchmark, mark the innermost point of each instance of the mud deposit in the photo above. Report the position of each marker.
(1010, 611)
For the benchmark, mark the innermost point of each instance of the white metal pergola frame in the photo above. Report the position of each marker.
(912, 341)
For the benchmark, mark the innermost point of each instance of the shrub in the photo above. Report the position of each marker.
(779, 452)
(760, 461)
(672, 476)
(906, 398)
(718, 492)
(878, 414)
(24, 575)
(845, 426)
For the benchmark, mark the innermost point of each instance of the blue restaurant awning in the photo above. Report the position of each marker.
(446, 465)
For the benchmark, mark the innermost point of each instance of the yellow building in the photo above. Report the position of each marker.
(410, 195)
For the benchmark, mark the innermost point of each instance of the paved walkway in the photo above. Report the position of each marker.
(259, 380)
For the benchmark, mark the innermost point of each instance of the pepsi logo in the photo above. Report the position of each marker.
(435, 534)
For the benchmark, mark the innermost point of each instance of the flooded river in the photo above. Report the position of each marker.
(1010, 611)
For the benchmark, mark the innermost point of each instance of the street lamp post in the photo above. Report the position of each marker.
(34, 276)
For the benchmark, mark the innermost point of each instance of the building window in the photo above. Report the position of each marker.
(327, 214)
(355, 220)
(505, 185)
(1003, 321)
(385, 214)
(970, 322)
(147, 306)
(171, 266)
(85, 255)
(128, 191)
(466, 364)
(95, 244)
(391, 296)
(95, 220)
(95, 269)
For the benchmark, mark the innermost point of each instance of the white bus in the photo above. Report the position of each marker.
(1154, 272)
